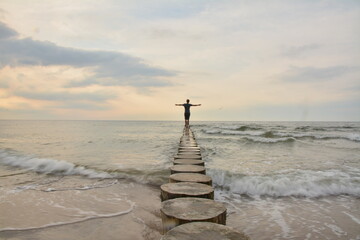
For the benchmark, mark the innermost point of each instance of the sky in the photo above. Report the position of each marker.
(243, 60)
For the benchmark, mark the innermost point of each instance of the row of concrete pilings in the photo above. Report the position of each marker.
(188, 209)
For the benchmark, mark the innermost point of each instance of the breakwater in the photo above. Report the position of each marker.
(188, 209)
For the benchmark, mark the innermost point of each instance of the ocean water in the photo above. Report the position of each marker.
(279, 180)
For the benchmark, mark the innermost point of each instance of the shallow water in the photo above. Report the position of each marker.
(279, 180)
(287, 180)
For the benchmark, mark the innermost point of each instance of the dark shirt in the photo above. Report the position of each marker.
(187, 107)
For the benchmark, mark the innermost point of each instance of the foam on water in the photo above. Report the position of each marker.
(48, 166)
(233, 132)
(270, 140)
(80, 188)
(346, 136)
(256, 133)
(352, 217)
(156, 176)
(306, 183)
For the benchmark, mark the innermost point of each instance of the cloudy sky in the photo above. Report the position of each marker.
(133, 60)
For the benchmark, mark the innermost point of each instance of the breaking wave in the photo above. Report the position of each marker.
(350, 136)
(270, 140)
(247, 128)
(301, 183)
(60, 167)
(48, 166)
(313, 128)
(272, 136)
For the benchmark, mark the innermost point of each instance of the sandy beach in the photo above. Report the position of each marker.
(71, 207)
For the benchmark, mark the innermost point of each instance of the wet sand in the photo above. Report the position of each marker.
(36, 206)
(50, 207)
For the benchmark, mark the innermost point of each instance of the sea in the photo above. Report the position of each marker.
(100, 179)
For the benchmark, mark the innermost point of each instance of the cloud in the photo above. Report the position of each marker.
(169, 9)
(298, 51)
(81, 106)
(70, 100)
(66, 96)
(109, 68)
(4, 84)
(313, 74)
(25, 112)
(6, 32)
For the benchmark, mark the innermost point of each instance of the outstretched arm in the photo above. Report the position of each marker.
(179, 105)
(196, 105)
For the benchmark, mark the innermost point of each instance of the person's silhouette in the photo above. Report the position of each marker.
(187, 106)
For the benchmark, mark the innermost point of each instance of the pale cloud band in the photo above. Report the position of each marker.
(312, 74)
(109, 68)
(34, 76)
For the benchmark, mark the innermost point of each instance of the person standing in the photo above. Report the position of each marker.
(187, 106)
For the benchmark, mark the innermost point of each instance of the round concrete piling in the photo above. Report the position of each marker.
(190, 177)
(178, 211)
(196, 152)
(185, 154)
(203, 231)
(180, 153)
(193, 151)
(188, 145)
(187, 169)
(189, 148)
(186, 189)
(189, 162)
(188, 156)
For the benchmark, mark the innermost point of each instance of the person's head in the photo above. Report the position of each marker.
(187, 100)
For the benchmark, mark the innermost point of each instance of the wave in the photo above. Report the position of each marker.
(310, 128)
(233, 132)
(277, 136)
(350, 136)
(327, 128)
(298, 183)
(212, 131)
(248, 128)
(241, 127)
(254, 136)
(48, 166)
(270, 140)
(152, 176)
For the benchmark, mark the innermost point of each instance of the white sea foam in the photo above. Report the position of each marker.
(270, 140)
(45, 165)
(213, 131)
(346, 136)
(254, 136)
(352, 217)
(274, 134)
(353, 137)
(305, 183)
(233, 132)
(88, 187)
